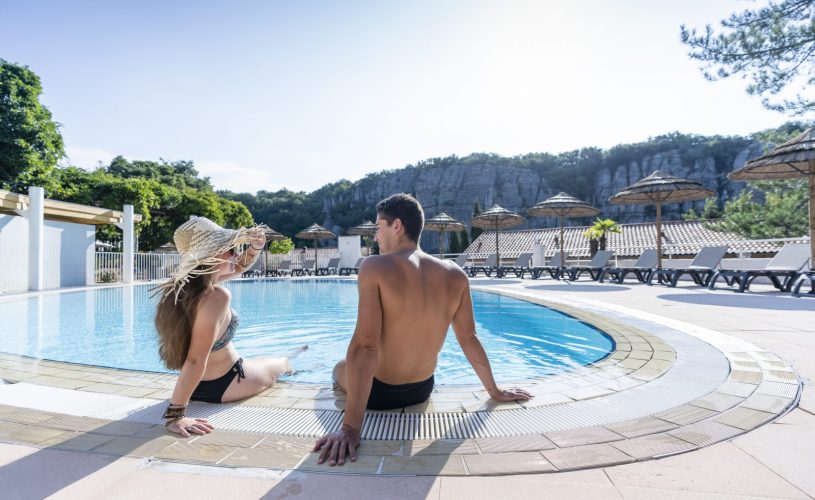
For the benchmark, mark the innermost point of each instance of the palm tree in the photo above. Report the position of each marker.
(598, 232)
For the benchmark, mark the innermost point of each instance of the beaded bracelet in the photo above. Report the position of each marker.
(172, 421)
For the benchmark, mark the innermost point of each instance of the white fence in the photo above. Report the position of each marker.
(147, 266)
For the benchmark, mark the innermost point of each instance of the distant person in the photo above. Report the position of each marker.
(196, 324)
(407, 301)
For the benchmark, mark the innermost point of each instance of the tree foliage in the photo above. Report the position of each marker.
(30, 142)
(773, 47)
(281, 246)
(600, 230)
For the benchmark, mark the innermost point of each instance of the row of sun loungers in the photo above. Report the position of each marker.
(785, 270)
(307, 269)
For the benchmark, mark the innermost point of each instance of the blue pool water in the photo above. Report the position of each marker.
(113, 327)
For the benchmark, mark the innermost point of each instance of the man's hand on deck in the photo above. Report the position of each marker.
(513, 394)
(335, 446)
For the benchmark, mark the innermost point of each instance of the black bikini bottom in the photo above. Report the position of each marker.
(211, 391)
(387, 397)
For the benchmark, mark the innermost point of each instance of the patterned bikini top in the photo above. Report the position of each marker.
(228, 334)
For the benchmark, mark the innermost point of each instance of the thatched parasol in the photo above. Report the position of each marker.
(366, 230)
(795, 158)
(443, 223)
(563, 205)
(495, 218)
(315, 232)
(659, 188)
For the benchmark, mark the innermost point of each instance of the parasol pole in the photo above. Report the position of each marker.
(562, 255)
(812, 215)
(441, 241)
(659, 234)
(315, 256)
(497, 253)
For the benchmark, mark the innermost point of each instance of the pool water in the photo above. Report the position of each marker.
(113, 327)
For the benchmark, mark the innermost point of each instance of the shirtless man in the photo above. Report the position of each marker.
(407, 301)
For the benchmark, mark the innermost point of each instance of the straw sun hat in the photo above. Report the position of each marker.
(200, 242)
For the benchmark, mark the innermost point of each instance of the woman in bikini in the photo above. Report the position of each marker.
(195, 323)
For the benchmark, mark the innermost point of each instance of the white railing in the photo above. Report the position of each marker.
(147, 266)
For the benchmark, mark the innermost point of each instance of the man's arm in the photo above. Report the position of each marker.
(360, 364)
(464, 327)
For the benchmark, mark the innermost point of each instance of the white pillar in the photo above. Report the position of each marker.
(128, 244)
(36, 224)
(538, 255)
(349, 250)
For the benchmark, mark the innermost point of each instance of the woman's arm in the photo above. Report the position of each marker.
(211, 312)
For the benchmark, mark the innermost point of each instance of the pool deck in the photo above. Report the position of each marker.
(773, 459)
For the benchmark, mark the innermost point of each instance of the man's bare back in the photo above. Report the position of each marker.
(420, 295)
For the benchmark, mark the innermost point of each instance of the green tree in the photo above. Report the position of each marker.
(772, 46)
(475, 231)
(709, 211)
(464, 241)
(600, 230)
(782, 214)
(282, 246)
(454, 244)
(30, 142)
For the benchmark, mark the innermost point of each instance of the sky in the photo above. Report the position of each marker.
(265, 95)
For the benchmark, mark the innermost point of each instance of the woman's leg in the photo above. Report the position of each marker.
(261, 373)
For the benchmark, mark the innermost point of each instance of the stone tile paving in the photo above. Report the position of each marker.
(760, 386)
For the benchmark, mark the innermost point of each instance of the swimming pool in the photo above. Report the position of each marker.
(113, 327)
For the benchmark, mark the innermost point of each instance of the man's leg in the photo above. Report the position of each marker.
(340, 383)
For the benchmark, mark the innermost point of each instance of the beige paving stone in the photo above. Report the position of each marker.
(647, 374)
(635, 364)
(653, 445)
(365, 464)
(641, 427)
(29, 434)
(135, 446)
(745, 377)
(533, 442)
(737, 388)
(268, 457)
(685, 414)
(507, 463)
(744, 418)
(26, 416)
(381, 447)
(544, 399)
(195, 453)
(718, 470)
(319, 404)
(438, 407)
(665, 355)
(103, 388)
(226, 438)
(717, 401)
(795, 432)
(440, 447)
(424, 465)
(490, 405)
(136, 392)
(74, 423)
(582, 484)
(705, 433)
(582, 436)
(50, 381)
(643, 355)
(77, 441)
(581, 457)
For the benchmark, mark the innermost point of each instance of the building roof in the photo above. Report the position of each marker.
(13, 203)
(680, 238)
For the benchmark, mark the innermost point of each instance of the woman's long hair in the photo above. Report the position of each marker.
(174, 320)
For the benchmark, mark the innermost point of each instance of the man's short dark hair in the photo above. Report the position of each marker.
(406, 208)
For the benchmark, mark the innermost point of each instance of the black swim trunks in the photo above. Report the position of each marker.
(211, 391)
(387, 397)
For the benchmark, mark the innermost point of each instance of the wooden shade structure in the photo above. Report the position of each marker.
(562, 205)
(315, 232)
(443, 223)
(495, 218)
(657, 189)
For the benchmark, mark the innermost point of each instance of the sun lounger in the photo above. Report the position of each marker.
(521, 266)
(330, 268)
(782, 269)
(594, 267)
(554, 268)
(283, 269)
(490, 265)
(346, 271)
(641, 269)
(701, 268)
(807, 277)
(306, 268)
